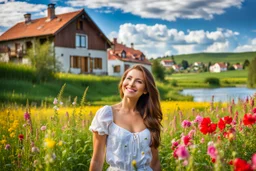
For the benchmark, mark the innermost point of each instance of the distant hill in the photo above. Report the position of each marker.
(232, 58)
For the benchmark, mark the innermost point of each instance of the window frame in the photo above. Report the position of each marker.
(79, 38)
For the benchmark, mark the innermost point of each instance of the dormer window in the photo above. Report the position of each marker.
(123, 54)
(142, 57)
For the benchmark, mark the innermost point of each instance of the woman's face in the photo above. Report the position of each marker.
(134, 84)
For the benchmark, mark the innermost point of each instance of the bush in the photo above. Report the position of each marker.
(158, 70)
(212, 81)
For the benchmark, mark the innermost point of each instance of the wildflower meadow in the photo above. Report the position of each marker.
(195, 136)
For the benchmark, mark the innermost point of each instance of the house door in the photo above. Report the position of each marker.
(91, 65)
(84, 67)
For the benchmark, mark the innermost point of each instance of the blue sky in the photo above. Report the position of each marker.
(157, 27)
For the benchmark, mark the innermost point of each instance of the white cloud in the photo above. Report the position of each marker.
(164, 9)
(218, 47)
(13, 12)
(159, 40)
(251, 46)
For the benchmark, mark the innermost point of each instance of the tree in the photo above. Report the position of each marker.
(184, 64)
(158, 70)
(208, 67)
(42, 57)
(173, 60)
(252, 73)
(246, 63)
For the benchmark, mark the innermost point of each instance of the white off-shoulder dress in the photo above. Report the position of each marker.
(122, 146)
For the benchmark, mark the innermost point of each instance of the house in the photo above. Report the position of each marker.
(197, 65)
(167, 63)
(79, 44)
(218, 67)
(238, 67)
(121, 57)
(176, 68)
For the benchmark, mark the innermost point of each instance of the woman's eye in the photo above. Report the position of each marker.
(139, 82)
(128, 78)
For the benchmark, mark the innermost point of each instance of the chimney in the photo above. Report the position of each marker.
(132, 45)
(51, 11)
(27, 18)
(115, 40)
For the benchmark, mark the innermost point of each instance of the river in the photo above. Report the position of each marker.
(220, 94)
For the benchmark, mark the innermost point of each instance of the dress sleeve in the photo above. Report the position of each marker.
(101, 121)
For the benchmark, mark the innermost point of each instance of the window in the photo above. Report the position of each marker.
(126, 66)
(123, 54)
(97, 63)
(74, 62)
(117, 68)
(42, 40)
(81, 41)
(79, 25)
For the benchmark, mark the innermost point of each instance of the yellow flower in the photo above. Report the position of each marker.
(134, 163)
(12, 135)
(49, 143)
(60, 143)
(3, 141)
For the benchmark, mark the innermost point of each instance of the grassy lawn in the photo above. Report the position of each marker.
(227, 79)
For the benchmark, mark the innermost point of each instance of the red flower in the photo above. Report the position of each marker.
(221, 124)
(228, 119)
(213, 160)
(249, 119)
(223, 121)
(241, 165)
(254, 110)
(186, 140)
(21, 137)
(207, 126)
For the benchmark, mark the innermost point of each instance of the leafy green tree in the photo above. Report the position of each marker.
(246, 63)
(158, 70)
(172, 57)
(42, 58)
(252, 73)
(185, 64)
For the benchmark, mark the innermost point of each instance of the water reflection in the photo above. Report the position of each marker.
(220, 94)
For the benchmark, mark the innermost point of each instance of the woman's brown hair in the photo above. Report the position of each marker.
(148, 104)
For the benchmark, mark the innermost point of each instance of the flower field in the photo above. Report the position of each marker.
(195, 136)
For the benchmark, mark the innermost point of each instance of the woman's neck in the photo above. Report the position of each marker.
(129, 105)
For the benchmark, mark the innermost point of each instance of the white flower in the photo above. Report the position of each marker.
(61, 103)
(55, 108)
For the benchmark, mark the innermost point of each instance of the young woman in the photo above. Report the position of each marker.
(129, 132)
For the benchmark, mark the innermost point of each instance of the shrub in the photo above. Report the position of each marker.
(212, 81)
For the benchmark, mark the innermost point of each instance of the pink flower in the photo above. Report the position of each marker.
(186, 124)
(7, 147)
(198, 119)
(254, 161)
(182, 152)
(191, 133)
(26, 116)
(202, 140)
(175, 144)
(43, 128)
(55, 101)
(35, 149)
(212, 152)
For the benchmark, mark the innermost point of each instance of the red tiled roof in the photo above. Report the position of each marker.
(222, 65)
(167, 61)
(132, 55)
(38, 27)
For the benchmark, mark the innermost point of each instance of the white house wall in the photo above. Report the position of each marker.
(112, 63)
(63, 55)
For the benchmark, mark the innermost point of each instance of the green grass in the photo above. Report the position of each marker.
(21, 86)
(232, 58)
(227, 79)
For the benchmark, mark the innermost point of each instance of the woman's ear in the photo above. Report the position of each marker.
(145, 92)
